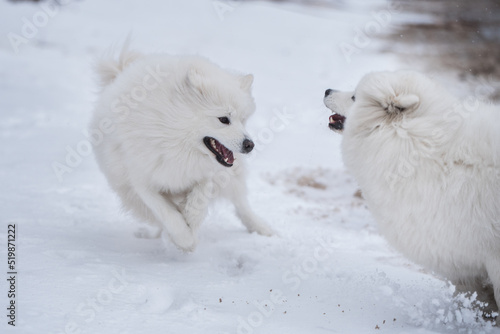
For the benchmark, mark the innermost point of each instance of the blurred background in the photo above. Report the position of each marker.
(461, 35)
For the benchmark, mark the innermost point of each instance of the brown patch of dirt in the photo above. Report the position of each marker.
(463, 36)
(309, 181)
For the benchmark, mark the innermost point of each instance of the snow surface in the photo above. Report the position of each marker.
(81, 270)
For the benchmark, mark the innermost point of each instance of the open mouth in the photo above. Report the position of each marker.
(336, 122)
(222, 154)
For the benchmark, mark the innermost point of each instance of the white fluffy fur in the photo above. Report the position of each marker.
(154, 112)
(429, 168)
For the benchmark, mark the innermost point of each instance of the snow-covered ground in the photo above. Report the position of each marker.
(79, 267)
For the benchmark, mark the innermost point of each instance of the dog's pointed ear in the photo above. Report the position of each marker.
(246, 82)
(195, 77)
(402, 103)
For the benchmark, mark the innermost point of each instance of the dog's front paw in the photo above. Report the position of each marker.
(259, 226)
(184, 240)
(265, 230)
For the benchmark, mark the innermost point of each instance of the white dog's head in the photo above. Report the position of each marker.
(379, 98)
(220, 103)
(338, 103)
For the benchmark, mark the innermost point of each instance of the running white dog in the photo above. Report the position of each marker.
(429, 169)
(174, 137)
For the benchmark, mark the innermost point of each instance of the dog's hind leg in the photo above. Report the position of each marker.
(171, 219)
(195, 206)
(151, 227)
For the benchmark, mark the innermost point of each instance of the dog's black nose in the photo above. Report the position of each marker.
(247, 146)
(329, 91)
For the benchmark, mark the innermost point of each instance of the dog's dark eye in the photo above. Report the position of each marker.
(224, 120)
(353, 98)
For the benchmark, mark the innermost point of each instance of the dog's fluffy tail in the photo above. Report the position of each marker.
(108, 67)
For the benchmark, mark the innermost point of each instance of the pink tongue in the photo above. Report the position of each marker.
(336, 118)
(226, 154)
(229, 156)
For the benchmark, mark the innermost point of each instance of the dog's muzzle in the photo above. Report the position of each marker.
(335, 121)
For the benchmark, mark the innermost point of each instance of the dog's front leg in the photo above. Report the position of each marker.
(195, 206)
(171, 219)
(237, 193)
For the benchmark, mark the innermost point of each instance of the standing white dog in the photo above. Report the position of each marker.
(429, 169)
(174, 136)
